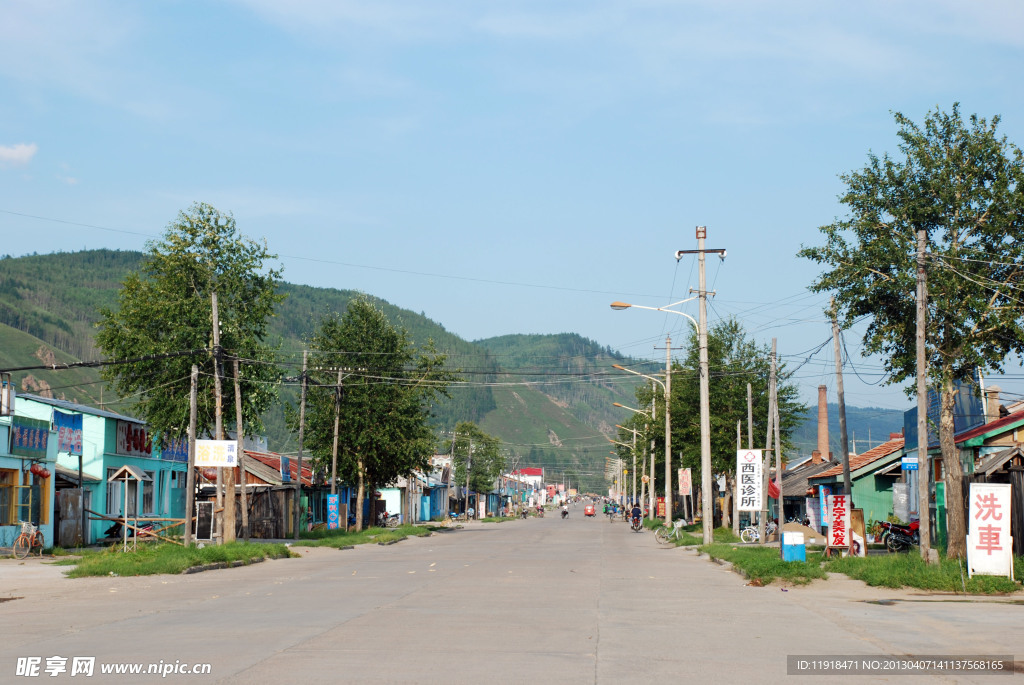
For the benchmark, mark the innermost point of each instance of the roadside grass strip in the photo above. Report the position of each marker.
(155, 558)
(910, 570)
(763, 564)
(339, 538)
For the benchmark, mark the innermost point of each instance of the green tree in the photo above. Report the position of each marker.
(165, 307)
(480, 453)
(384, 407)
(734, 360)
(963, 185)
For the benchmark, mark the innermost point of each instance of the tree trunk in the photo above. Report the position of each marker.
(360, 495)
(956, 532)
(727, 502)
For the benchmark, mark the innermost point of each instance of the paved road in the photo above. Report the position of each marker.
(576, 601)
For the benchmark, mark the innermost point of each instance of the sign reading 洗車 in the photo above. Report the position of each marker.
(989, 545)
(749, 480)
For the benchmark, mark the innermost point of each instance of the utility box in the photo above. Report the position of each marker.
(793, 547)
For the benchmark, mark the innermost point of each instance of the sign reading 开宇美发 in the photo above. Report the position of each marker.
(29, 437)
(839, 521)
(748, 480)
(989, 545)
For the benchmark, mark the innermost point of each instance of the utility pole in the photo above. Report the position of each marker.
(707, 518)
(239, 428)
(766, 464)
(844, 444)
(923, 465)
(778, 440)
(334, 449)
(736, 485)
(302, 432)
(190, 473)
(668, 431)
(225, 477)
(634, 468)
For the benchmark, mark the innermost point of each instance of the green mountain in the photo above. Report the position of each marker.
(866, 427)
(545, 396)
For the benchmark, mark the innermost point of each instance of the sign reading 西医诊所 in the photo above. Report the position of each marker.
(748, 480)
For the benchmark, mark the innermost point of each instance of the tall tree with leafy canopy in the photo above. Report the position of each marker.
(734, 360)
(388, 387)
(964, 185)
(480, 453)
(165, 307)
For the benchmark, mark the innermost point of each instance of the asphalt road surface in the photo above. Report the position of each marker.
(535, 601)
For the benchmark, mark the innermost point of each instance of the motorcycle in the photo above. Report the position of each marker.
(636, 525)
(565, 514)
(899, 538)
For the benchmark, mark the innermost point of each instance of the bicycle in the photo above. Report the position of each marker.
(750, 534)
(665, 535)
(30, 538)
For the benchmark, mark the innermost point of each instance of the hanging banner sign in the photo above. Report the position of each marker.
(29, 437)
(824, 514)
(219, 453)
(989, 545)
(685, 482)
(286, 470)
(749, 480)
(839, 521)
(69, 432)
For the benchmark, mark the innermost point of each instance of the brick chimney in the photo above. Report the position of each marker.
(820, 454)
(992, 403)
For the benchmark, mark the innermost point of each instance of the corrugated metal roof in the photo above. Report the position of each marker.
(80, 408)
(794, 482)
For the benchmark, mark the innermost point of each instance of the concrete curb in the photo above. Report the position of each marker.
(222, 564)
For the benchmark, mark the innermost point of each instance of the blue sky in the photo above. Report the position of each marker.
(503, 167)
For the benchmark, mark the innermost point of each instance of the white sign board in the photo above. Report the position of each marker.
(839, 521)
(685, 483)
(989, 545)
(219, 453)
(749, 480)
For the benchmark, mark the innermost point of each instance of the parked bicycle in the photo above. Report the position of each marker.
(29, 539)
(750, 534)
(665, 535)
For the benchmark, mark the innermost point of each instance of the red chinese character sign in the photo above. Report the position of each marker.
(839, 521)
(749, 480)
(989, 545)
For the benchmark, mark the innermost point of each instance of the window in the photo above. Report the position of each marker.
(8, 497)
(147, 493)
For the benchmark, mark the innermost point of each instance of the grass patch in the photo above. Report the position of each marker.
(909, 570)
(497, 519)
(339, 538)
(763, 564)
(154, 558)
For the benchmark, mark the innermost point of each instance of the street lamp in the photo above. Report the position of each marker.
(651, 508)
(635, 433)
(667, 387)
(705, 418)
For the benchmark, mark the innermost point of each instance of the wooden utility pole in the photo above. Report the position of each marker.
(190, 472)
(707, 505)
(767, 461)
(668, 431)
(239, 434)
(923, 464)
(225, 477)
(735, 509)
(844, 444)
(302, 433)
(334, 449)
(778, 439)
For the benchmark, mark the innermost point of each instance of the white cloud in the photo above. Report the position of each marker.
(20, 153)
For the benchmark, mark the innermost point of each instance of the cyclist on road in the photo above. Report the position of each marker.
(636, 513)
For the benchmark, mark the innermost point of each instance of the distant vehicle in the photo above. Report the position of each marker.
(590, 510)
